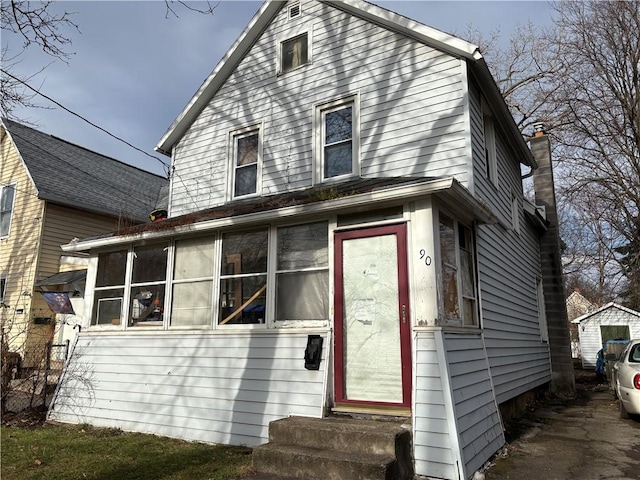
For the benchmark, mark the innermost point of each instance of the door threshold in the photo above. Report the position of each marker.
(342, 409)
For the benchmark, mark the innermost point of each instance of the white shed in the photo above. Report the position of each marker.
(606, 323)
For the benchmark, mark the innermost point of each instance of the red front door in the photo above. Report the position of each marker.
(372, 325)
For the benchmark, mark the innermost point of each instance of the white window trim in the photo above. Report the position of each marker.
(13, 185)
(491, 156)
(231, 162)
(215, 245)
(289, 36)
(515, 212)
(449, 321)
(318, 144)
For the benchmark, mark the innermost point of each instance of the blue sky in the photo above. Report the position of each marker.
(133, 70)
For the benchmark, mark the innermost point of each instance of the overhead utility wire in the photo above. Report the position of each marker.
(164, 164)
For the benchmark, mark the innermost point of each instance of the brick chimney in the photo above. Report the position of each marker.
(562, 376)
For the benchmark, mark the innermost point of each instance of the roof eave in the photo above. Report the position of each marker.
(218, 76)
(447, 187)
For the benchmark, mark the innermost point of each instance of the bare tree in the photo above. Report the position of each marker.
(37, 24)
(600, 134)
(582, 79)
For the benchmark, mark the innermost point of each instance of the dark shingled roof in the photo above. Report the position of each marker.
(63, 278)
(74, 176)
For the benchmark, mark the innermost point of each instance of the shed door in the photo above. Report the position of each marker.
(373, 356)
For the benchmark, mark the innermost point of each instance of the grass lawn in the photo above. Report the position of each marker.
(70, 452)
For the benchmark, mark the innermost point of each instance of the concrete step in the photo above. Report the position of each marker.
(355, 435)
(336, 448)
(322, 464)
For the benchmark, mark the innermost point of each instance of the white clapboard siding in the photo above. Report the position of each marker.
(508, 270)
(411, 108)
(216, 387)
(591, 336)
(433, 448)
(477, 418)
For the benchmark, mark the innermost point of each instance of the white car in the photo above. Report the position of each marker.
(627, 379)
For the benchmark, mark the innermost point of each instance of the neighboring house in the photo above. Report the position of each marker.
(344, 174)
(577, 306)
(610, 322)
(52, 192)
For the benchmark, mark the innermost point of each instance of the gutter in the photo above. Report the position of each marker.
(449, 187)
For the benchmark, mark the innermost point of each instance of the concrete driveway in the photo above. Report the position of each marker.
(582, 439)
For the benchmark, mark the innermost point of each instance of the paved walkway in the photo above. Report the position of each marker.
(583, 440)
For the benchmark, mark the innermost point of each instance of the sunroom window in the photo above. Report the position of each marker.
(457, 273)
(243, 278)
(302, 277)
(193, 283)
(109, 291)
(148, 280)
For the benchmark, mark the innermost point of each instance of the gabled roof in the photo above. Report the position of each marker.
(372, 13)
(608, 306)
(71, 175)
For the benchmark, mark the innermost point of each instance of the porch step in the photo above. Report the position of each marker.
(336, 449)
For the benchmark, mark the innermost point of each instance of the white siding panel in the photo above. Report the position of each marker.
(432, 436)
(410, 94)
(477, 417)
(591, 337)
(217, 388)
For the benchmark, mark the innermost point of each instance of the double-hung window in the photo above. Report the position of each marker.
(246, 162)
(109, 291)
(148, 279)
(243, 278)
(3, 288)
(192, 297)
(302, 275)
(7, 195)
(338, 142)
(457, 273)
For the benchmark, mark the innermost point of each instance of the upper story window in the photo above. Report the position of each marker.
(515, 212)
(294, 52)
(338, 143)
(246, 162)
(458, 273)
(7, 196)
(490, 155)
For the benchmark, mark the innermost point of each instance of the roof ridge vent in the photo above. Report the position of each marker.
(294, 10)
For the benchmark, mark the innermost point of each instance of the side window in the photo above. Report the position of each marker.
(109, 291)
(338, 143)
(515, 212)
(3, 288)
(542, 312)
(294, 53)
(302, 276)
(457, 265)
(246, 162)
(148, 278)
(7, 196)
(491, 160)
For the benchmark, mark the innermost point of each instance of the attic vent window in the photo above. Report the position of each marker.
(294, 10)
(294, 53)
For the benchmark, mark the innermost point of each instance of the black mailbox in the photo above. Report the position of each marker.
(313, 352)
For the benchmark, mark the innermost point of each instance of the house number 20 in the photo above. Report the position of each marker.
(425, 257)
